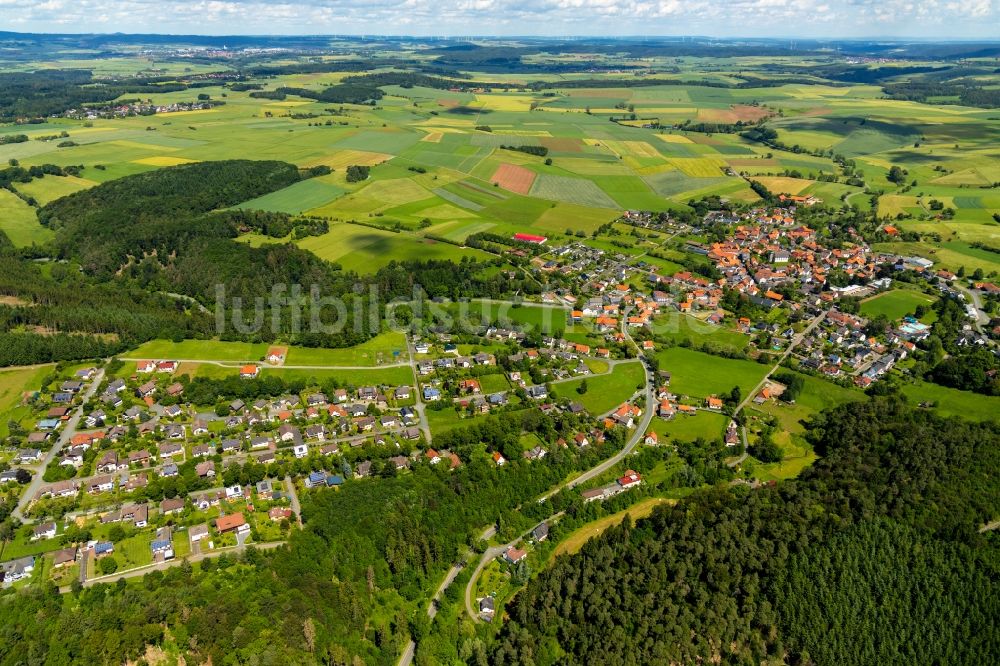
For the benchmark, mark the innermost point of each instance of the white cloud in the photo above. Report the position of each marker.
(746, 18)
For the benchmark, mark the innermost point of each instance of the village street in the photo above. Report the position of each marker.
(67, 434)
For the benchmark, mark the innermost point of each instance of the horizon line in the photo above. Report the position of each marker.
(660, 37)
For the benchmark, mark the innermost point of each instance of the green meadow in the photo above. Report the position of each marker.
(377, 351)
(19, 221)
(13, 385)
(605, 392)
(895, 304)
(698, 375)
(952, 402)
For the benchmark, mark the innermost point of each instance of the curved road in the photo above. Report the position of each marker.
(601, 468)
(795, 342)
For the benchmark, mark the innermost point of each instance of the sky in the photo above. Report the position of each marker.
(927, 19)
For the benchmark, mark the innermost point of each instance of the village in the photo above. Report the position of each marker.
(121, 473)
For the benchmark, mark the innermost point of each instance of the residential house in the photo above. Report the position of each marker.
(43, 531)
(101, 484)
(234, 522)
(514, 555)
(64, 558)
(171, 506)
(541, 532)
(170, 450)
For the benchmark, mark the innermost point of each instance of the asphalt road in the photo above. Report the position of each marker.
(294, 497)
(160, 566)
(67, 434)
(636, 437)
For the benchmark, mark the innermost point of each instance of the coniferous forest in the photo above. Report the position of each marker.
(872, 556)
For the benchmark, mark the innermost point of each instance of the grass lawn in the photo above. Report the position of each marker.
(200, 350)
(675, 326)
(698, 375)
(394, 376)
(952, 402)
(605, 392)
(494, 383)
(443, 420)
(574, 542)
(373, 352)
(376, 376)
(13, 385)
(64, 575)
(533, 316)
(596, 365)
(23, 545)
(377, 351)
(134, 551)
(895, 304)
(706, 425)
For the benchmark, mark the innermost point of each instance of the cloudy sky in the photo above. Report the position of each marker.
(939, 19)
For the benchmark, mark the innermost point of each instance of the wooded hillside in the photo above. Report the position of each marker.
(872, 556)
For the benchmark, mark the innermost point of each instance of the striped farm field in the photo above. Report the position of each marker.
(571, 190)
(632, 148)
(563, 144)
(514, 178)
(784, 185)
(433, 137)
(294, 199)
(673, 138)
(163, 161)
(698, 167)
(345, 158)
(734, 113)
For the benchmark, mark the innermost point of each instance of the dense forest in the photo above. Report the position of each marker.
(873, 555)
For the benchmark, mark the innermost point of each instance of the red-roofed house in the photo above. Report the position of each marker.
(234, 522)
